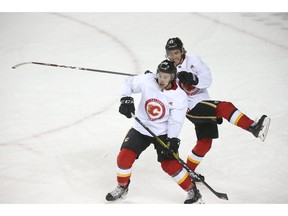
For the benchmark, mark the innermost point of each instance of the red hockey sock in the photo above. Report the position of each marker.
(178, 173)
(228, 111)
(198, 152)
(125, 160)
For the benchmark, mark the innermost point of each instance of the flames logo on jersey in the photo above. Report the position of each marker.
(155, 109)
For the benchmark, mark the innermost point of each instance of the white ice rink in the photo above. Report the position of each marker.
(60, 130)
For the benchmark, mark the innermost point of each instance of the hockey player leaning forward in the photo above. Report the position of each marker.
(194, 78)
(162, 109)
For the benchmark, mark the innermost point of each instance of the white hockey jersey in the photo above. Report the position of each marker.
(162, 111)
(193, 63)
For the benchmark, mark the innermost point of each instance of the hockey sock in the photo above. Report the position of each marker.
(178, 173)
(198, 152)
(228, 111)
(125, 160)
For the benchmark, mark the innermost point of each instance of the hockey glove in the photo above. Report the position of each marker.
(188, 78)
(173, 145)
(127, 106)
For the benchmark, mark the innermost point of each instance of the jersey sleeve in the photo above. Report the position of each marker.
(134, 84)
(202, 71)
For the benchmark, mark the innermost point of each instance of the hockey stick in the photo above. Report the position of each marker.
(72, 67)
(191, 172)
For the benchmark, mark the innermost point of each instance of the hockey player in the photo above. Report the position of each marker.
(194, 77)
(162, 107)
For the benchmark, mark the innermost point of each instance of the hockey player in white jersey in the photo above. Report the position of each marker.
(162, 108)
(194, 77)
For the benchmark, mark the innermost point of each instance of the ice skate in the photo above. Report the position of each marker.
(194, 196)
(117, 193)
(261, 127)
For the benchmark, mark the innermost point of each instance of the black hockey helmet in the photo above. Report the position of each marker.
(167, 66)
(173, 44)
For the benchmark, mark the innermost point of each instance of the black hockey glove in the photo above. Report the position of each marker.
(173, 145)
(127, 106)
(188, 78)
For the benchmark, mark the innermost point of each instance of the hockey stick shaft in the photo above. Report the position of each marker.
(190, 171)
(73, 67)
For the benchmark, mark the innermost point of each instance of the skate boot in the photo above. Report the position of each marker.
(260, 128)
(194, 196)
(117, 193)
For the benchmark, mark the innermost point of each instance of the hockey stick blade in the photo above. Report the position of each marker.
(218, 194)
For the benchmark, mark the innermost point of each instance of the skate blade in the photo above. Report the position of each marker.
(263, 133)
(115, 201)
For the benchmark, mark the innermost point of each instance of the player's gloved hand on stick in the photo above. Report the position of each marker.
(173, 145)
(127, 106)
(188, 78)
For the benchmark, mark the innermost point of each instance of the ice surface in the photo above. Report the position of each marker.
(60, 130)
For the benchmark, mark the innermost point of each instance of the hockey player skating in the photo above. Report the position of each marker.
(194, 78)
(162, 107)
